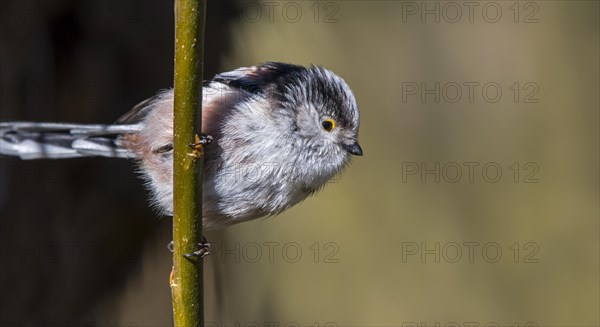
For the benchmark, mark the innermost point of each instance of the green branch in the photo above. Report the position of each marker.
(186, 281)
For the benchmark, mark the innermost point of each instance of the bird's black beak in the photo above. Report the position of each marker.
(354, 148)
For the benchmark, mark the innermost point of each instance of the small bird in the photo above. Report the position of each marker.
(279, 132)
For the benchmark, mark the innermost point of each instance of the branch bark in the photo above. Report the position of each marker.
(187, 275)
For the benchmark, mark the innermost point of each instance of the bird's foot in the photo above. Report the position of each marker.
(198, 145)
(203, 249)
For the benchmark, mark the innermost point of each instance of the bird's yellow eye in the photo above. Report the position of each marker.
(328, 124)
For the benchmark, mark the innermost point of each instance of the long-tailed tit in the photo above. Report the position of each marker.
(280, 132)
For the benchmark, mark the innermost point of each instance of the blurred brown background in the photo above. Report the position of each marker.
(476, 203)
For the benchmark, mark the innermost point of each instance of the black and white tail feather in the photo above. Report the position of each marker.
(32, 140)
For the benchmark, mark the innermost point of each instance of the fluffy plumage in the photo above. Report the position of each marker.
(270, 148)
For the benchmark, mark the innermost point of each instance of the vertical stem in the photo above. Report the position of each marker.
(186, 282)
